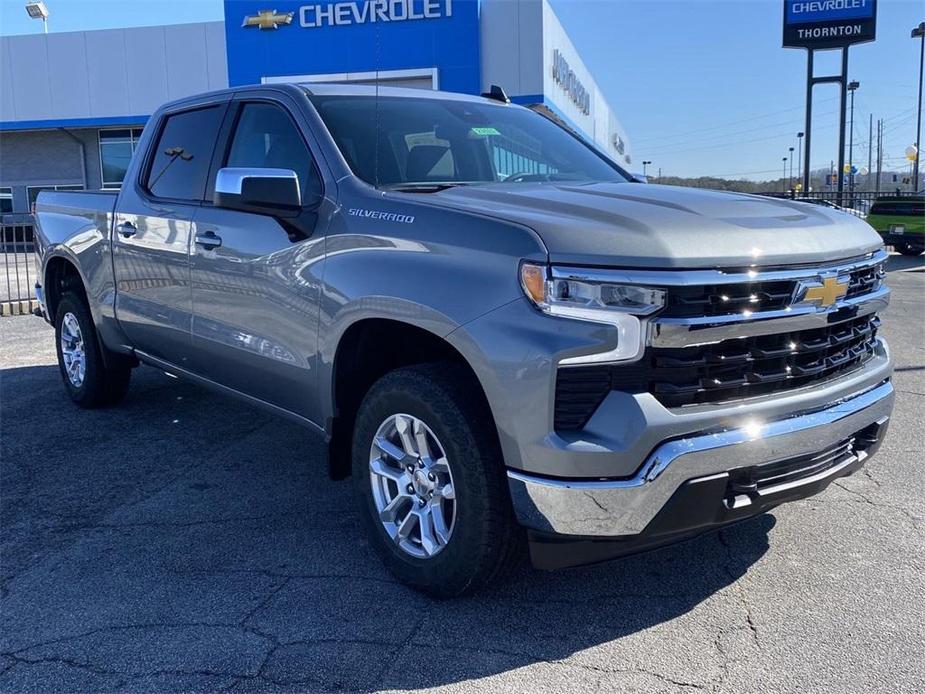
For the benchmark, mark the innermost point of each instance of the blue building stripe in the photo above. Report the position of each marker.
(99, 122)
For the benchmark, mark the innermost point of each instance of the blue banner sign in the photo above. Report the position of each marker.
(829, 23)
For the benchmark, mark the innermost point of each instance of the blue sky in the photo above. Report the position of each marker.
(701, 86)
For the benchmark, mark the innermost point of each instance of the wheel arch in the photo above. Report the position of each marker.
(367, 350)
(62, 274)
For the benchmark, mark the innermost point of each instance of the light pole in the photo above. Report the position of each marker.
(919, 33)
(852, 87)
(784, 177)
(37, 10)
(800, 156)
(790, 178)
(644, 165)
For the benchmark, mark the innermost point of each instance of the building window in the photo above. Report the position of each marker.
(6, 200)
(33, 191)
(116, 149)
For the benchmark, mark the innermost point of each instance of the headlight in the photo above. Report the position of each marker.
(565, 290)
(572, 293)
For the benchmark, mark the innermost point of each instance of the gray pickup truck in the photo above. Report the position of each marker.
(506, 340)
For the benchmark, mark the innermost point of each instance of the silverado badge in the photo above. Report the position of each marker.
(268, 19)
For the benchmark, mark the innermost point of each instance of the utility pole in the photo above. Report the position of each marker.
(800, 160)
(870, 149)
(660, 174)
(852, 87)
(918, 33)
(783, 178)
(879, 151)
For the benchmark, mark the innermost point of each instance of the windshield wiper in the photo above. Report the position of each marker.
(424, 187)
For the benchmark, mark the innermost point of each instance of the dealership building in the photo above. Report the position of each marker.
(72, 105)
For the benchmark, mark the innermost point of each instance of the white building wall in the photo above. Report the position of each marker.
(519, 41)
(600, 124)
(511, 46)
(108, 73)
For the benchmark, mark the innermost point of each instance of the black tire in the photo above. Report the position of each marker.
(909, 250)
(101, 386)
(486, 542)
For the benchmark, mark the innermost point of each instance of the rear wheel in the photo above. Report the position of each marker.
(87, 380)
(430, 482)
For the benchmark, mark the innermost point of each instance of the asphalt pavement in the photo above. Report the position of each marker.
(186, 542)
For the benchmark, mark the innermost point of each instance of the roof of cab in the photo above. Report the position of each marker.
(329, 89)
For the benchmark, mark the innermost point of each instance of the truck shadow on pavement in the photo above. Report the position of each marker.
(183, 541)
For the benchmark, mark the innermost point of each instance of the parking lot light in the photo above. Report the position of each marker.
(37, 10)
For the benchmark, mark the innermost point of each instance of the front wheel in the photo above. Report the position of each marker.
(430, 481)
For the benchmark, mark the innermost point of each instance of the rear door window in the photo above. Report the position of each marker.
(182, 154)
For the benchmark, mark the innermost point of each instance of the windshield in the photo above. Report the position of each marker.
(427, 143)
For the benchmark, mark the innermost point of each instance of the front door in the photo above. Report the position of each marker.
(256, 286)
(153, 229)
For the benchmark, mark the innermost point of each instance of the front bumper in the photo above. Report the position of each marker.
(689, 484)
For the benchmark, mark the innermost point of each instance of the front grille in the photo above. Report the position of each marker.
(759, 365)
(723, 299)
(727, 370)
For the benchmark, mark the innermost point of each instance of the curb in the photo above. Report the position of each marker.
(18, 308)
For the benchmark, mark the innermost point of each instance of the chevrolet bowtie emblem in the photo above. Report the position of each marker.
(268, 19)
(826, 293)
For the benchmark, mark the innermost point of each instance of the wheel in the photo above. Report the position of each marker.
(86, 378)
(430, 482)
(909, 250)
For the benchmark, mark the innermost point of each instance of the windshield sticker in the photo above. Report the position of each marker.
(384, 216)
(485, 132)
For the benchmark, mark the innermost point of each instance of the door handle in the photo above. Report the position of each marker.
(208, 240)
(127, 230)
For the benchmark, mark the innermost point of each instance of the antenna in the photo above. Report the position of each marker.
(376, 142)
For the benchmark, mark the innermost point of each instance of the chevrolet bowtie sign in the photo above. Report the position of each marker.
(344, 13)
(268, 19)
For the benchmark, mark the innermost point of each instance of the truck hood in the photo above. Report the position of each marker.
(655, 226)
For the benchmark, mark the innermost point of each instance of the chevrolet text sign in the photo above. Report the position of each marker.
(829, 23)
(343, 13)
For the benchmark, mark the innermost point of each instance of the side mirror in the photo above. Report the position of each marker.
(262, 191)
(639, 178)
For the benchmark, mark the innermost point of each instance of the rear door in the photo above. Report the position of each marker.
(153, 227)
(256, 284)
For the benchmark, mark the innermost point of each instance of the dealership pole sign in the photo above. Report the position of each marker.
(820, 25)
(829, 23)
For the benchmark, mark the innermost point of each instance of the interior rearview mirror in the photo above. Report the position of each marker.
(263, 191)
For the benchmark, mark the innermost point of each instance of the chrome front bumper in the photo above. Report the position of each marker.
(625, 507)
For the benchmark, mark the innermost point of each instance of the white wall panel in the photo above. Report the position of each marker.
(186, 48)
(68, 74)
(106, 77)
(29, 65)
(108, 73)
(146, 63)
(217, 66)
(7, 105)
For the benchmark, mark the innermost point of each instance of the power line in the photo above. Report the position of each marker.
(728, 123)
(723, 142)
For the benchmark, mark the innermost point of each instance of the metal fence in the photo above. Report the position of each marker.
(857, 202)
(17, 269)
